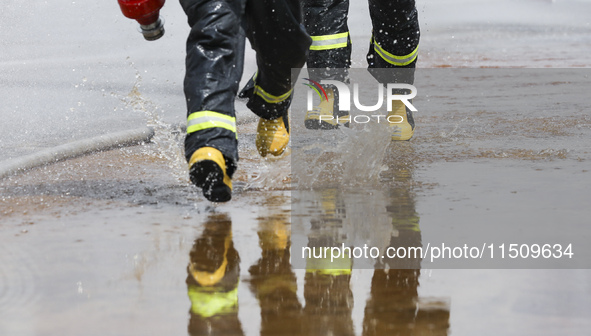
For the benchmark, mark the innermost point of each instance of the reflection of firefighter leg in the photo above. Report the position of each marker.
(405, 220)
(281, 44)
(395, 44)
(212, 281)
(332, 205)
(391, 307)
(329, 300)
(273, 281)
(329, 57)
(394, 307)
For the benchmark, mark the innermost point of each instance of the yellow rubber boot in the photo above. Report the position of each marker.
(401, 122)
(272, 137)
(207, 170)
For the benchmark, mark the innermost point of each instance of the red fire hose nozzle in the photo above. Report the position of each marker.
(146, 13)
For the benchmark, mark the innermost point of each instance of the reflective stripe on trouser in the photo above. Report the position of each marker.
(395, 40)
(326, 22)
(263, 103)
(333, 41)
(396, 34)
(215, 56)
(266, 96)
(394, 59)
(269, 98)
(281, 44)
(201, 120)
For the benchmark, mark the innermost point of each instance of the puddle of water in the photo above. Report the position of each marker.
(117, 242)
(104, 243)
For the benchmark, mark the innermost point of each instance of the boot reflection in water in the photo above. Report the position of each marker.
(329, 299)
(394, 307)
(329, 302)
(212, 281)
(273, 281)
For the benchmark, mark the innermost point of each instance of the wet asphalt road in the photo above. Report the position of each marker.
(112, 243)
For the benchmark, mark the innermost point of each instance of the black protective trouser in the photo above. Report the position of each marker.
(394, 43)
(214, 64)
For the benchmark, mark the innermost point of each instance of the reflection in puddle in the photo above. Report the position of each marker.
(331, 217)
(212, 281)
(78, 220)
(381, 218)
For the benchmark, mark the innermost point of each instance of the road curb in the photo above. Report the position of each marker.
(75, 149)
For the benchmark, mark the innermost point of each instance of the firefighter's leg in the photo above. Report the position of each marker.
(275, 31)
(215, 52)
(396, 34)
(394, 45)
(326, 22)
(329, 57)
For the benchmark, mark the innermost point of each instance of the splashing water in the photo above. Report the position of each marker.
(349, 158)
(168, 138)
(270, 173)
